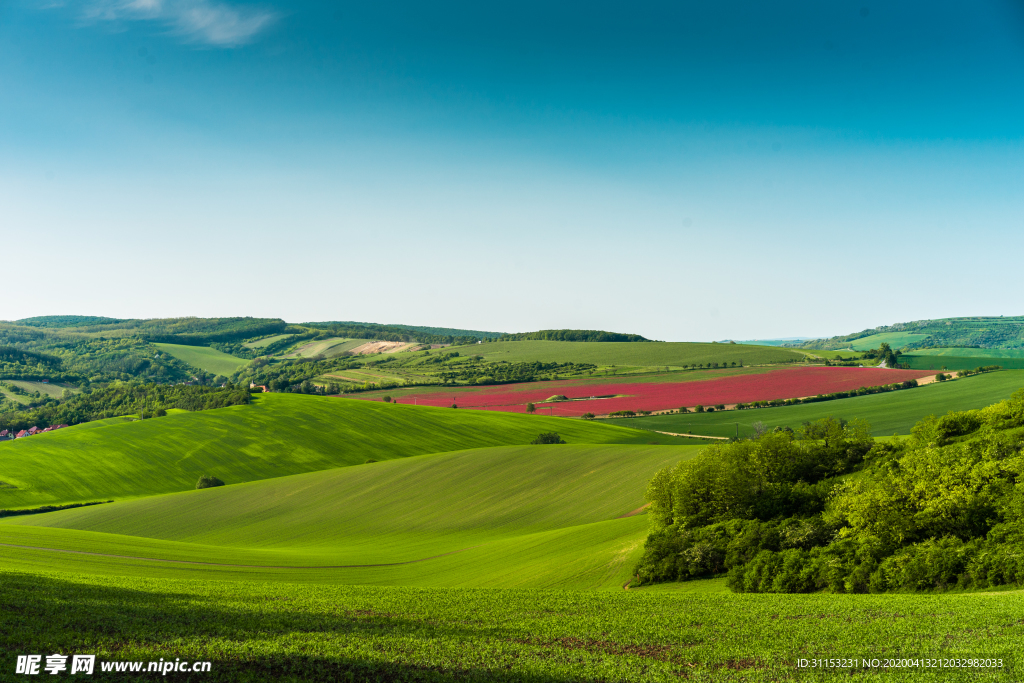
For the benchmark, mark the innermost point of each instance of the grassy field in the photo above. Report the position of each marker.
(50, 389)
(973, 353)
(252, 631)
(890, 413)
(896, 340)
(204, 358)
(951, 362)
(277, 435)
(266, 341)
(640, 354)
(335, 346)
(505, 516)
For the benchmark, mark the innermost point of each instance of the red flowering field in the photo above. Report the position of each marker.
(608, 397)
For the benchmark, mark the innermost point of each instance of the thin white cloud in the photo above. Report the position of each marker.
(201, 21)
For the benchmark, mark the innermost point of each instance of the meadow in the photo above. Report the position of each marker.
(276, 435)
(253, 631)
(205, 358)
(51, 389)
(973, 353)
(952, 362)
(889, 413)
(329, 348)
(266, 341)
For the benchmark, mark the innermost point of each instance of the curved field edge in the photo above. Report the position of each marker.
(253, 631)
(276, 435)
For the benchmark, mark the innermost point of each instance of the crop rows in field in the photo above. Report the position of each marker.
(254, 631)
(606, 398)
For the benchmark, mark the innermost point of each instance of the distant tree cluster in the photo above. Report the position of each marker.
(574, 335)
(862, 391)
(504, 372)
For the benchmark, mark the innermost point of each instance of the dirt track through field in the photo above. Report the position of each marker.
(246, 566)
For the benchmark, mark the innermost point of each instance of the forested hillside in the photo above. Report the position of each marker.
(981, 332)
(825, 508)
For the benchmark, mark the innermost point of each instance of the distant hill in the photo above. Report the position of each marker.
(1002, 332)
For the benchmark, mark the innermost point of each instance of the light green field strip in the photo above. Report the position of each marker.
(641, 354)
(260, 343)
(335, 346)
(972, 353)
(896, 340)
(890, 413)
(204, 358)
(277, 435)
(938, 363)
(47, 388)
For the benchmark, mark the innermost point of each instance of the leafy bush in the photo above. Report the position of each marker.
(206, 482)
(548, 437)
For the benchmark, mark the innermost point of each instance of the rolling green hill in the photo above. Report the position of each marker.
(548, 506)
(277, 435)
(205, 358)
(890, 413)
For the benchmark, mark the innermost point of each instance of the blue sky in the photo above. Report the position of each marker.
(687, 171)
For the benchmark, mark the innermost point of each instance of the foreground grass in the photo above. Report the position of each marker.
(890, 413)
(277, 435)
(204, 358)
(257, 632)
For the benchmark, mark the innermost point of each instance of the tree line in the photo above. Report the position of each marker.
(130, 398)
(574, 335)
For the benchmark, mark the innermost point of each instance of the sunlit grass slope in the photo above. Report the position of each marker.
(890, 413)
(896, 340)
(277, 435)
(204, 358)
(508, 516)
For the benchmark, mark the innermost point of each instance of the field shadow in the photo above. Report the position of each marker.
(45, 615)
